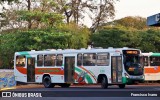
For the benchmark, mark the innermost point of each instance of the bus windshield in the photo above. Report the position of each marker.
(132, 64)
(132, 60)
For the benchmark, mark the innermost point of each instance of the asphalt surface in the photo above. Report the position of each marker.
(91, 92)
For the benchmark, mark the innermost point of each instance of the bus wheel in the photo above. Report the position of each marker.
(47, 82)
(104, 83)
(65, 85)
(121, 86)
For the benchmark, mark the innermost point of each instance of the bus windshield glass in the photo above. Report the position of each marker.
(132, 62)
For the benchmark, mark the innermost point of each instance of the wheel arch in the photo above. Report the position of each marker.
(100, 77)
(46, 75)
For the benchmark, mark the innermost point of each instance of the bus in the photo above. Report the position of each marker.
(151, 66)
(110, 66)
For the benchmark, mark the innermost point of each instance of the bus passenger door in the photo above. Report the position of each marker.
(116, 67)
(69, 65)
(30, 69)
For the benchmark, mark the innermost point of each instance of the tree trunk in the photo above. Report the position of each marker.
(29, 8)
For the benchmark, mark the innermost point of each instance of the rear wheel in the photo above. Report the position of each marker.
(47, 82)
(104, 83)
(121, 86)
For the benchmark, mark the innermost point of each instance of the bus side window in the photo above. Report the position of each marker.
(89, 59)
(102, 59)
(20, 61)
(59, 60)
(145, 60)
(79, 59)
(49, 60)
(40, 60)
(158, 61)
(154, 61)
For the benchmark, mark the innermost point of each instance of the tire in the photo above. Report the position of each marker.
(104, 83)
(47, 82)
(122, 86)
(65, 85)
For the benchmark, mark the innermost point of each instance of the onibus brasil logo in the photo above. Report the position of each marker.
(21, 94)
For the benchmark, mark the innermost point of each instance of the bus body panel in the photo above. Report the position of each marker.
(89, 74)
(151, 72)
(20, 76)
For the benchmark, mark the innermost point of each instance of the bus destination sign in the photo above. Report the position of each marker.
(132, 52)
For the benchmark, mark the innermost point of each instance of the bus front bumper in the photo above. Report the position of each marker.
(133, 79)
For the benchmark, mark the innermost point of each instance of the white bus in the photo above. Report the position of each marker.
(112, 66)
(151, 66)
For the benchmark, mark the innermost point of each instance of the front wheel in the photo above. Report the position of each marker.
(104, 83)
(47, 82)
(121, 86)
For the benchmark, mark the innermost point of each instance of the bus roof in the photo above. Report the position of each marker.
(82, 50)
(151, 54)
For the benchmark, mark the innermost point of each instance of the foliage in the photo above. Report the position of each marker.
(30, 14)
(8, 1)
(51, 38)
(79, 35)
(33, 14)
(146, 40)
(40, 19)
(150, 41)
(130, 22)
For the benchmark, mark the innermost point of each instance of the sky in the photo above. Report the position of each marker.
(143, 8)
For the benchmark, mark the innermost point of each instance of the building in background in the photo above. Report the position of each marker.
(153, 20)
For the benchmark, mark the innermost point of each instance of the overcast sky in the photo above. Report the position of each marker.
(142, 8)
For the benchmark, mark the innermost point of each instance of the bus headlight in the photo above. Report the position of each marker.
(127, 76)
(143, 77)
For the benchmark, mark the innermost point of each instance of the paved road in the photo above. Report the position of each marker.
(93, 92)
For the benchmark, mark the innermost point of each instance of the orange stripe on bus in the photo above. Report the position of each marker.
(22, 70)
(57, 71)
(152, 69)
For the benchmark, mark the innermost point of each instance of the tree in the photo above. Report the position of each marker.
(74, 11)
(146, 40)
(130, 22)
(31, 16)
(105, 10)
(79, 35)
(64, 37)
(4, 20)
(150, 40)
(99, 11)
(108, 38)
(2, 1)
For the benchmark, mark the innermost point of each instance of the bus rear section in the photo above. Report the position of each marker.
(39, 67)
(151, 67)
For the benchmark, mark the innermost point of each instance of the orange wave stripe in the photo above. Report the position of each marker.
(88, 72)
(152, 70)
